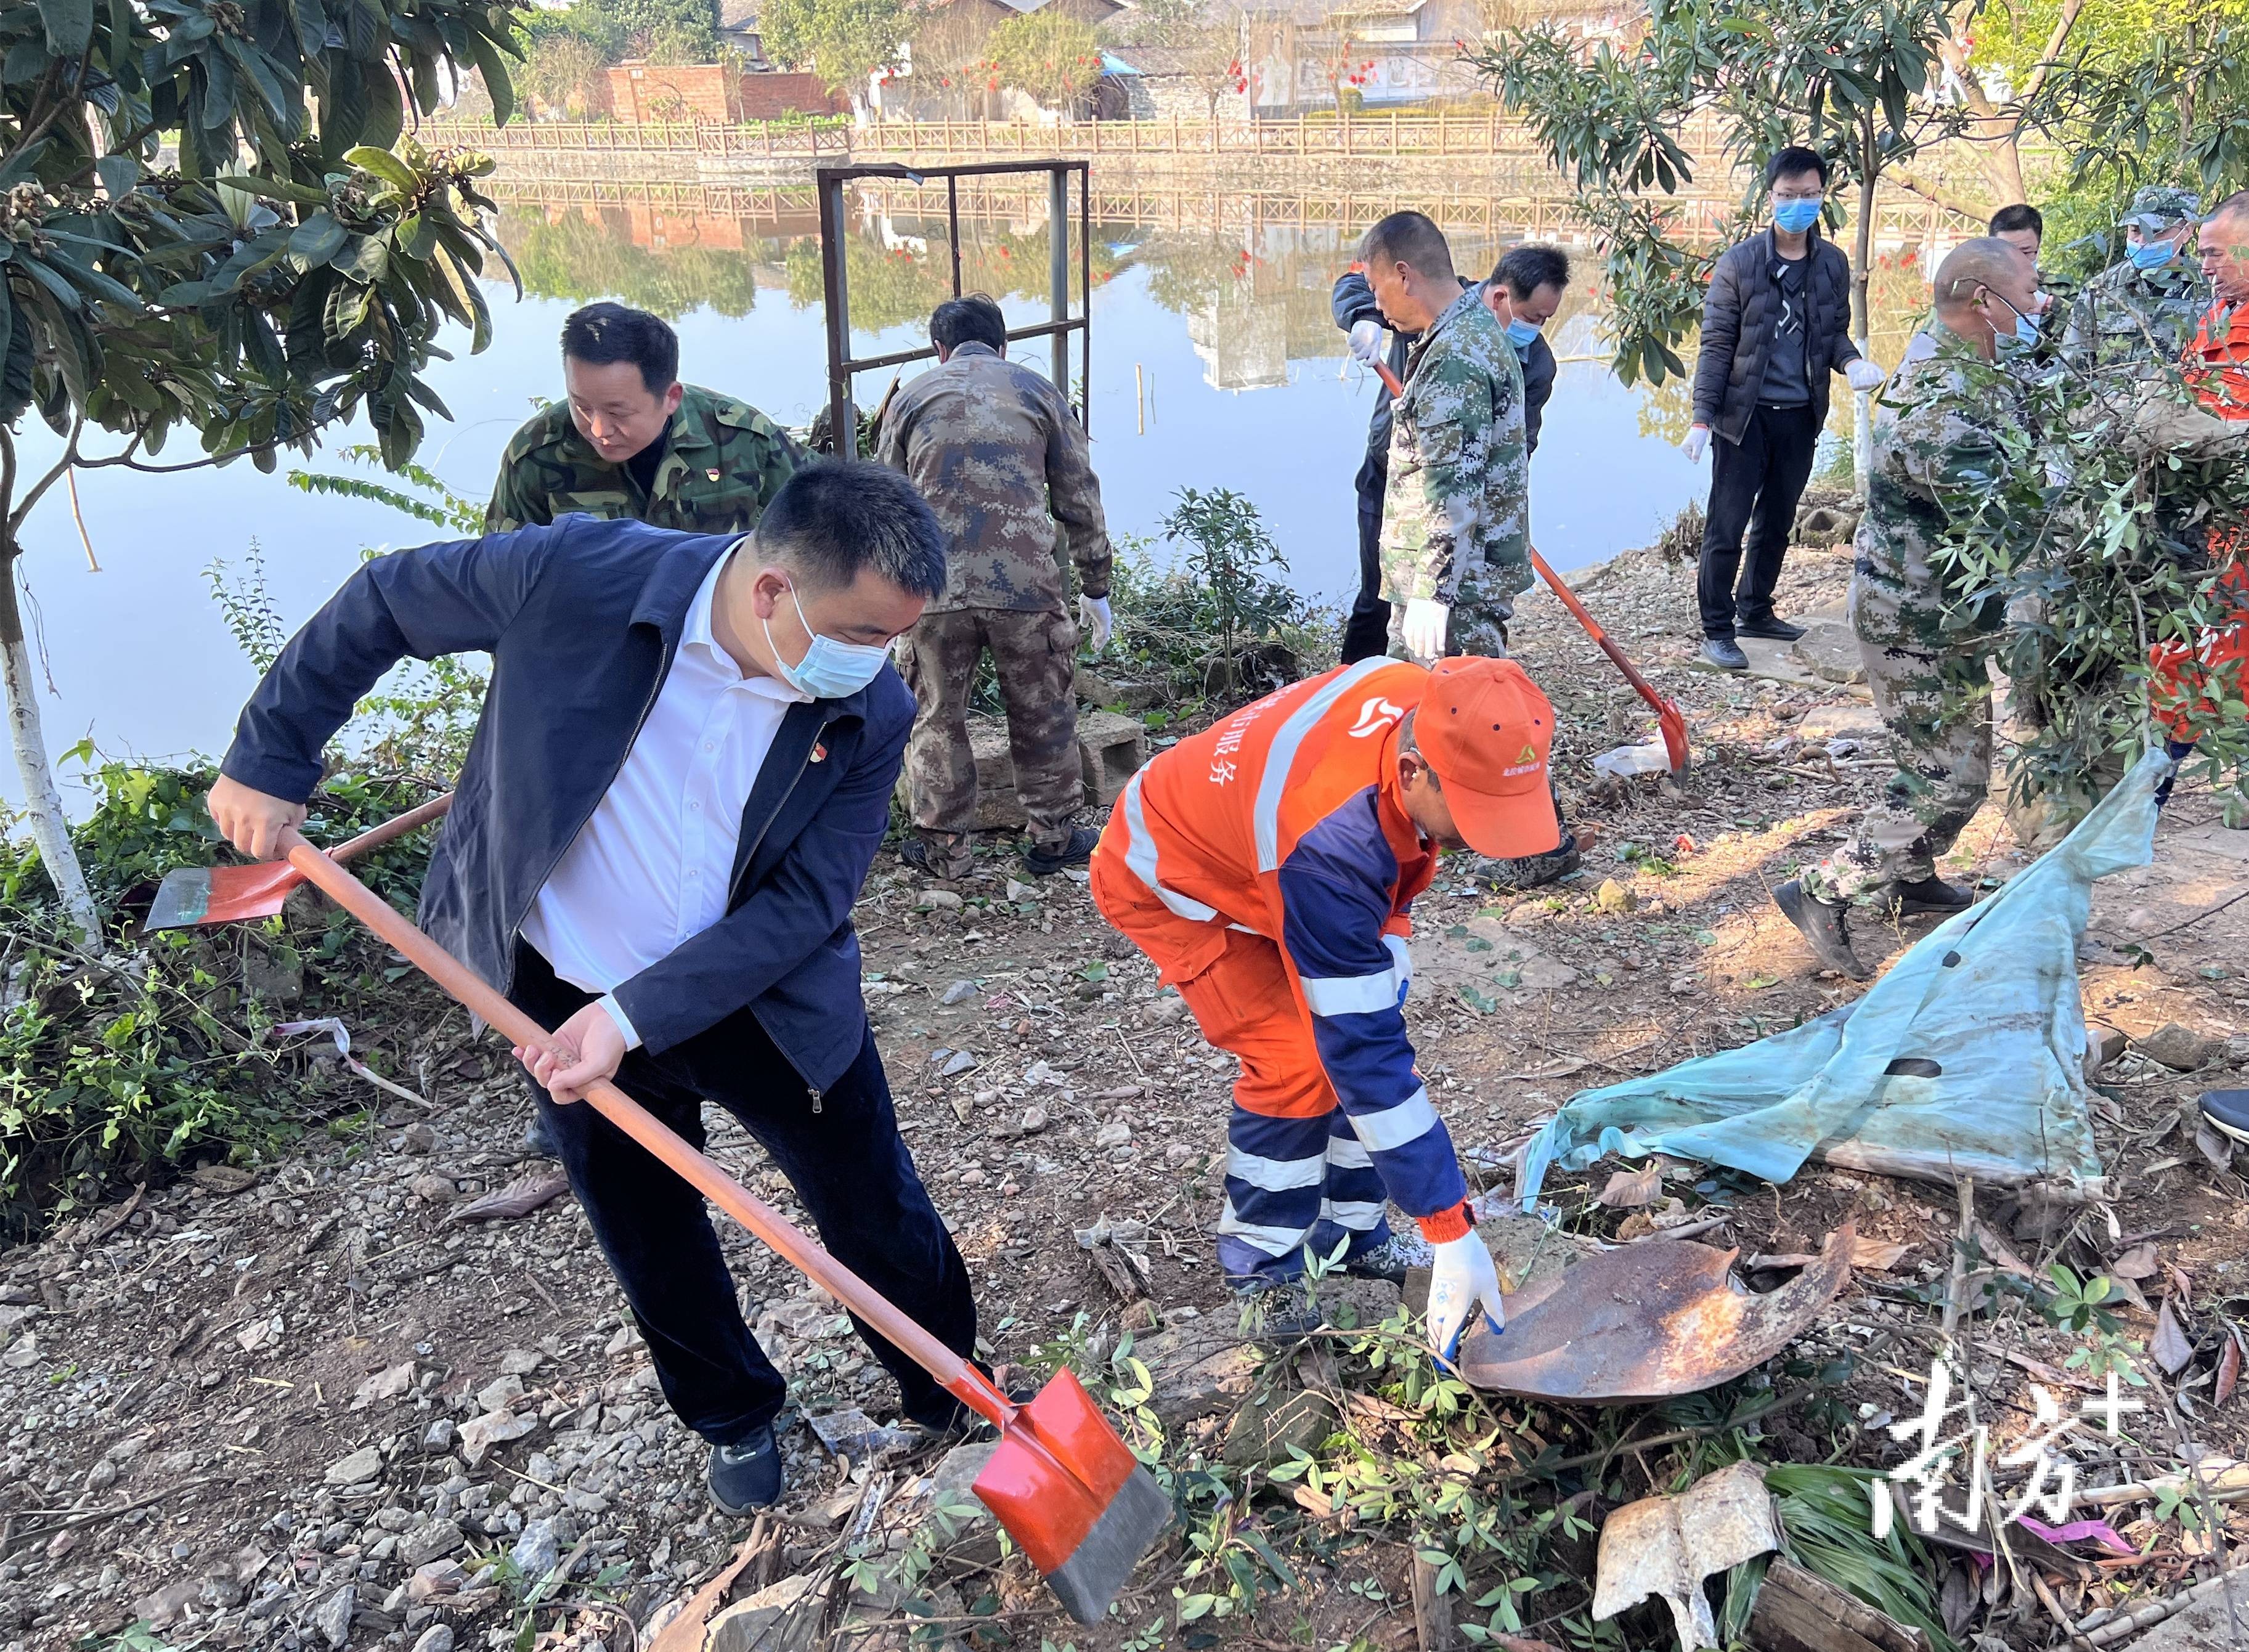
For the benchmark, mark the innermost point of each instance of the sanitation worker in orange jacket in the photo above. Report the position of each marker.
(1267, 866)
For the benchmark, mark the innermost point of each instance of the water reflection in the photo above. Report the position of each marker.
(1214, 362)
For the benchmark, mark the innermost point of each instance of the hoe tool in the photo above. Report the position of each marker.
(190, 897)
(1668, 717)
(1063, 1484)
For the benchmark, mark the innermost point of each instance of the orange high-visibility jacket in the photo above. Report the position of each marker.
(1282, 820)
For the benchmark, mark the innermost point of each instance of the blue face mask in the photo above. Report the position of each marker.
(1521, 336)
(2026, 332)
(830, 670)
(2151, 255)
(1796, 217)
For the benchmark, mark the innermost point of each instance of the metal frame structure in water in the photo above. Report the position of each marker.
(829, 182)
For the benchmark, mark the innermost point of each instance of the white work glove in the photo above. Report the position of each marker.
(1425, 619)
(1367, 341)
(1461, 1281)
(1094, 616)
(1864, 375)
(1697, 439)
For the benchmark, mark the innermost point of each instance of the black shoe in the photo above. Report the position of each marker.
(1045, 863)
(2228, 1110)
(1825, 927)
(1770, 626)
(539, 1138)
(1725, 653)
(745, 1476)
(1275, 1309)
(1391, 1260)
(1928, 895)
(948, 1421)
(915, 853)
(1530, 871)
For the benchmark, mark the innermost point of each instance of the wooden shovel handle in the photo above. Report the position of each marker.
(964, 1380)
(391, 830)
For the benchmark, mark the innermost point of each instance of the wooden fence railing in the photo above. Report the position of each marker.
(1463, 132)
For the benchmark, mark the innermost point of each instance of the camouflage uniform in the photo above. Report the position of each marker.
(723, 462)
(1926, 658)
(1456, 517)
(2129, 323)
(1001, 458)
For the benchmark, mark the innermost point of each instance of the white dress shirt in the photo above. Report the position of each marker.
(652, 866)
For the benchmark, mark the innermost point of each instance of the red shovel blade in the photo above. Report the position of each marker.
(193, 895)
(1067, 1489)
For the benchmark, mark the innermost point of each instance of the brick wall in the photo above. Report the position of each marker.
(642, 91)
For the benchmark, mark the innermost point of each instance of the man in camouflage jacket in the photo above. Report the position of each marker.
(2136, 319)
(1926, 649)
(1456, 514)
(630, 440)
(999, 455)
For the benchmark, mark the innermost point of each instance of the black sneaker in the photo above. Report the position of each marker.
(1928, 895)
(1823, 927)
(915, 853)
(1771, 626)
(2228, 1110)
(948, 1421)
(1045, 863)
(1275, 1309)
(745, 1476)
(1531, 872)
(1391, 1260)
(1726, 654)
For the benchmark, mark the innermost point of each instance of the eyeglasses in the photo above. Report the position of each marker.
(1815, 195)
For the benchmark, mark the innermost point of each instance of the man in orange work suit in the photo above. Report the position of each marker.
(1267, 867)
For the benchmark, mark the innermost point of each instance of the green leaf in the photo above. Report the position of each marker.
(70, 25)
(384, 165)
(316, 241)
(277, 188)
(496, 78)
(119, 174)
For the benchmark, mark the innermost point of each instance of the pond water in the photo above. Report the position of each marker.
(1215, 364)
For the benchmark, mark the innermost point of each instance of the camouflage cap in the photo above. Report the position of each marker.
(2158, 206)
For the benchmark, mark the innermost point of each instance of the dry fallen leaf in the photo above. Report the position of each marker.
(2229, 1370)
(2138, 1262)
(1628, 1188)
(2215, 1147)
(1878, 1255)
(2169, 1347)
(1998, 1253)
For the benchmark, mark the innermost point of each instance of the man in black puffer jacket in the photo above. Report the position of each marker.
(1776, 323)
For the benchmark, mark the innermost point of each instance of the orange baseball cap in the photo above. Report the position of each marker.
(1486, 729)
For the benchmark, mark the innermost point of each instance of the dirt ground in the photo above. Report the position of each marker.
(314, 1412)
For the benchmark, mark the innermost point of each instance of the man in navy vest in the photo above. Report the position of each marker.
(681, 774)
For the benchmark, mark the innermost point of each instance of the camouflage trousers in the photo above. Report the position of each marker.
(1938, 709)
(1033, 656)
(1482, 612)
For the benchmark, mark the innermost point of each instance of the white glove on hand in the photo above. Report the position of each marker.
(1462, 1281)
(1094, 616)
(1865, 374)
(1697, 439)
(1426, 620)
(1366, 340)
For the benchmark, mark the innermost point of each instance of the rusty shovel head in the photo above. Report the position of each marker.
(1673, 722)
(1074, 1496)
(1646, 1321)
(192, 896)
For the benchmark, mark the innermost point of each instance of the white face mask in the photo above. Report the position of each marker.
(830, 670)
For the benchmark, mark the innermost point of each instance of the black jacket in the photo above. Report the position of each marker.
(1353, 302)
(582, 620)
(1739, 314)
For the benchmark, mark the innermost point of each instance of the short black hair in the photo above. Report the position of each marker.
(2233, 206)
(1791, 160)
(973, 319)
(602, 333)
(1411, 238)
(2021, 216)
(836, 517)
(1523, 270)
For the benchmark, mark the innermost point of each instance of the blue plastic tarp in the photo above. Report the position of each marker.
(1967, 1059)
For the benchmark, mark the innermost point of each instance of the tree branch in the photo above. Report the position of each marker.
(54, 475)
(2054, 42)
(1936, 194)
